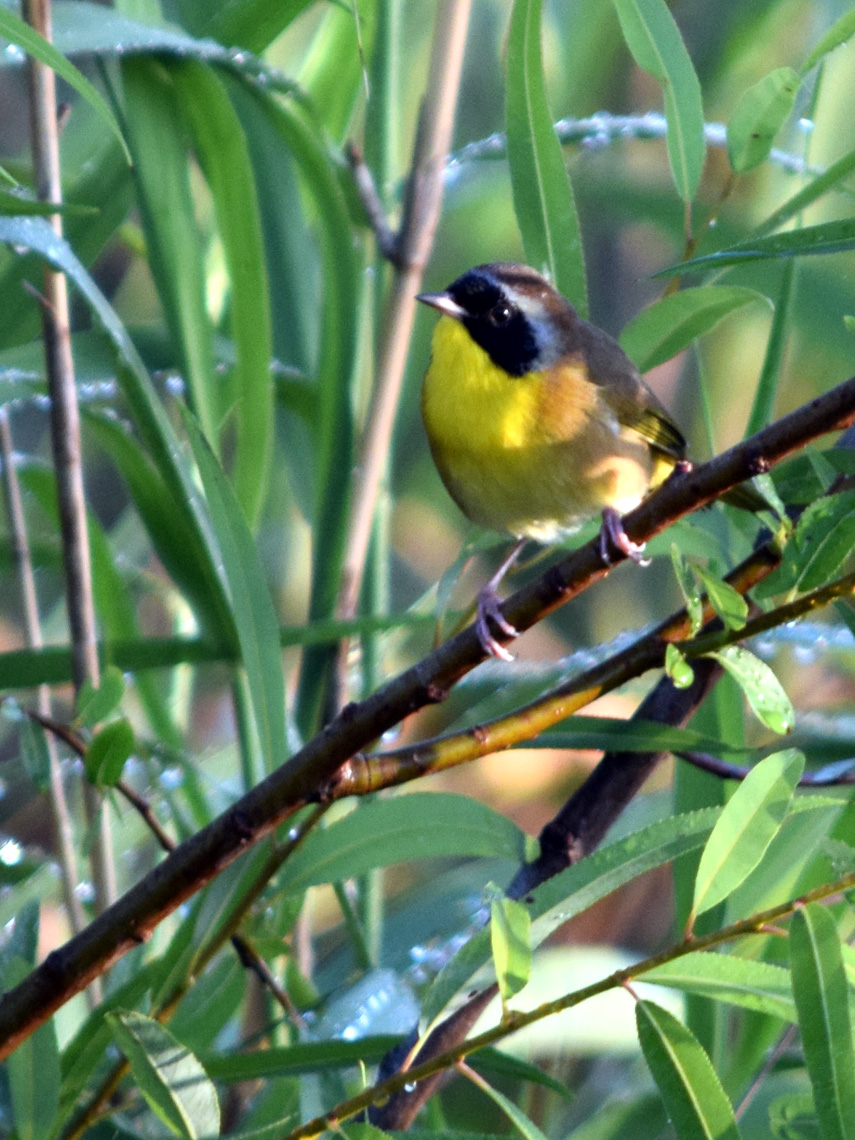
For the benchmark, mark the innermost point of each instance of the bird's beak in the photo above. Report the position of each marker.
(444, 304)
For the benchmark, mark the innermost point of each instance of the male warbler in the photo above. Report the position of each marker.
(537, 420)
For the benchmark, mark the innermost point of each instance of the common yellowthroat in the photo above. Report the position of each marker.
(536, 419)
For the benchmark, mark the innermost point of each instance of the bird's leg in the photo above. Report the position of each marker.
(612, 531)
(488, 609)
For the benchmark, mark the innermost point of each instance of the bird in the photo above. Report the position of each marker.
(537, 420)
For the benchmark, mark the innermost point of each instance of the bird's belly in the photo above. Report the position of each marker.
(545, 491)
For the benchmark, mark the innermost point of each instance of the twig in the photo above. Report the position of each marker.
(63, 825)
(833, 778)
(421, 214)
(198, 860)
(65, 429)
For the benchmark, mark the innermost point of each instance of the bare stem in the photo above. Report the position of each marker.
(424, 198)
(65, 429)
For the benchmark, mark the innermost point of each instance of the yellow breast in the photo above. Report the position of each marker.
(535, 455)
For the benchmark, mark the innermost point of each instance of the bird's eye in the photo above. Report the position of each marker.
(500, 314)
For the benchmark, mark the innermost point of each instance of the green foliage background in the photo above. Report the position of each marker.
(229, 268)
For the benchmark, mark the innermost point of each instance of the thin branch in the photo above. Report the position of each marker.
(825, 778)
(421, 215)
(63, 825)
(65, 429)
(198, 860)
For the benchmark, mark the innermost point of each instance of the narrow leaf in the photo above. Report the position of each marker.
(255, 617)
(107, 754)
(747, 825)
(96, 704)
(730, 606)
(761, 687)
(170, 1078)
(758, 117)
(822, 1001)
(841, 31)
(725, 977)
(655, 41)
(20, 33)
(157, 136)
(526, 1128)
(673, 323)
(543, 195)
(694, 1098)
(678, 668)
(829, 237)
(689, 589)
(510, 939)
(32, 1070)
(380, 832)
(224, 156)
(808, 194)
(763, 407)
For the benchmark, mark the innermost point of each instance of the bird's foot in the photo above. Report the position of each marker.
(612, 531)
(488, 610)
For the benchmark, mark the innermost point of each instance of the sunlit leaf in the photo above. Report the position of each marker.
(673, 323)
(758, 117)
(747, 825)
(822, 1000)
(655, 41)
(694, 1098)
(510, 940)
(170, 1078)
(761, 687)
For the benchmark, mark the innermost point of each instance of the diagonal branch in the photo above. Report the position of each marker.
(194, 863)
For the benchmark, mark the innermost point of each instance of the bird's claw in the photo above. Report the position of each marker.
(488, 610)
(612, 531)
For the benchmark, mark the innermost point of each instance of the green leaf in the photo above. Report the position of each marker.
(156, 134)
(822, 1001)
(148, 413)
(34, 752)
(688, 584)
(573, 891)
(761, 687)
(223, 153)
(526, 1128)
(726, 977)
(673, 323)
(730, 605)
(96, 704)
(417, 826)
(841, 31)
(677, 667)
(694, 1098)
(758, 117)
(510, 940)
(255, 617)
(107, 754)
(822, 542)
(14, 202)
(20, 33)
(808, 194)
(32, 1070)
(829, 237)
(763, 407)
(747, 825)
(250, 24)
(543, 194)
(170, 1078)
(655, 41)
